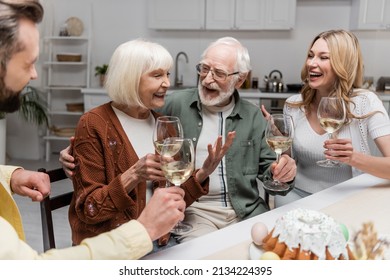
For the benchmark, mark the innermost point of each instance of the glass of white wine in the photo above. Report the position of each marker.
(331, 114)
(178, 161)
(166, 127)
(279, 137)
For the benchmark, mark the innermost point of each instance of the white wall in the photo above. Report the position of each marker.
(116, 21)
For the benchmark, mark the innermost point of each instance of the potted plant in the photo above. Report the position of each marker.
(101, 72)
(33, 109)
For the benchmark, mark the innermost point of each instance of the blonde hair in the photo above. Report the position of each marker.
(128, 63)
(346, 61)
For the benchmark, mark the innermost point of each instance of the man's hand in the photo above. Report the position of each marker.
(163, 211)
(285, 170)
(35, 185)
(216, 153)
(67, 160)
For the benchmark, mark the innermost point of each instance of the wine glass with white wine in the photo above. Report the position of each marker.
(331, 114)
(166, 127)
(279, 137)
(177, 163)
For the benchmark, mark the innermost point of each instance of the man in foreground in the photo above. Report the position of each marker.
(19, 48)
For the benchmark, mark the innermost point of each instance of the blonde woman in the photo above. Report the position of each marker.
(19, 49)
(334, 67)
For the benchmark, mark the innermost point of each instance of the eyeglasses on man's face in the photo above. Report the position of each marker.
(218, 74)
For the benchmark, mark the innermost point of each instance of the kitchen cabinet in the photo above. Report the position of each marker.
(222, 14)
(176, 14)
(64, 82)
(279, 14)
(250, 14)
(235, 14)
(370, 15)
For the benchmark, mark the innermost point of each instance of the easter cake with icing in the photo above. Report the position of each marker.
(302, 234)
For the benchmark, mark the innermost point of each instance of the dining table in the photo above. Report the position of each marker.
(362, 199)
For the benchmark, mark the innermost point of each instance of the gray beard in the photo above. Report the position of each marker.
(222, 98)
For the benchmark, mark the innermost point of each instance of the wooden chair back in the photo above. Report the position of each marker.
(50, 204)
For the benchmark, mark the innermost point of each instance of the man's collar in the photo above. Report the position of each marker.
(237, 106)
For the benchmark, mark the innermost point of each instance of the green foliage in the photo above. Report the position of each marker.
(33, 107)
(101, 70)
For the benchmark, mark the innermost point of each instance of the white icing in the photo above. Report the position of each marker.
(313, 231)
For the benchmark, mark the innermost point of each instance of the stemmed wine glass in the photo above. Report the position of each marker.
(166, 127)
(178, 161)
(331, 114)
(279, 137)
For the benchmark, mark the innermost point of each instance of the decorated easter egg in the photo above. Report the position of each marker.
(259, 232)
(269, 256)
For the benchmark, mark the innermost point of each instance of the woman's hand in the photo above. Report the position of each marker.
(147, 168)
(265, 112)
(340, 150)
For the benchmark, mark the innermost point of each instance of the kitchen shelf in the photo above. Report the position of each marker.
(78, 88)
(65, 80)
(56, 138)
(65, 63)
(65, 38)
